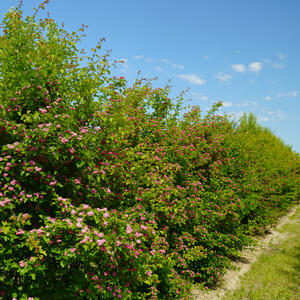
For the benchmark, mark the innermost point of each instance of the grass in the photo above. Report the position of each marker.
(276, 273)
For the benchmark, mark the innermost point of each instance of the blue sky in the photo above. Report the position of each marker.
(244, 53)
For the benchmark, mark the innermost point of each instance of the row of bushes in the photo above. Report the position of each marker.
(108, 191)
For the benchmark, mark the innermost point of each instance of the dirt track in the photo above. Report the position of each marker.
(231, 280)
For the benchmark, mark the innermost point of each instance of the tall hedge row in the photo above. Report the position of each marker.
(107, 191)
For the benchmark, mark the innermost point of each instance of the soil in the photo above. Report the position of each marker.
(231, 280)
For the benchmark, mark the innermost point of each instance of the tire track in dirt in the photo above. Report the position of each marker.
(231, 280)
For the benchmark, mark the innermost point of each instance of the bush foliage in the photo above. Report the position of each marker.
(106, 191)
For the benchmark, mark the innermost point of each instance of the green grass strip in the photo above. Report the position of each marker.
(276, 273)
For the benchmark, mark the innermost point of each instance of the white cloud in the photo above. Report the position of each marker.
(268, 98)
(236, 115)
(199, 96)
(192, 78)
(227, 104)
(278, 66)
(159, 68)
(263, 118)
(148, 59)
(175, 66)
(240, 68)
(206, 57)
(204, 98)
(255, 67)
(223, 77)
(246, 103)
(138, 56)
(292, 94)
(280, 95)
(125, 66)
(276, 115)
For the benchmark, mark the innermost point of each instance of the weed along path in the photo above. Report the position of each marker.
(269, 270)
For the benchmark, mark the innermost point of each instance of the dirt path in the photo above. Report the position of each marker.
(231, 280)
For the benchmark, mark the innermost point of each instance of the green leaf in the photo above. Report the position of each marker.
(79, 164)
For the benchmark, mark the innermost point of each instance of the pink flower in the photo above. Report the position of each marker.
(84, 230)
(21, 263)
(90, 213)
(83, 130)
(138, 241)
(72, 250)
(106, 215)
(52, 183)
(20, 231)
(79, 225)
(40, 231)
(128, 229)
(63, 140)
(138, 234)
(153, 252)
(32, 162)
(72, 150)
(100, 235)
(86, 239)
(73, 212)
(43, 111)
(101, 242)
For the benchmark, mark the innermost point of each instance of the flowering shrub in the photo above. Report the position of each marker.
(106, 192)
